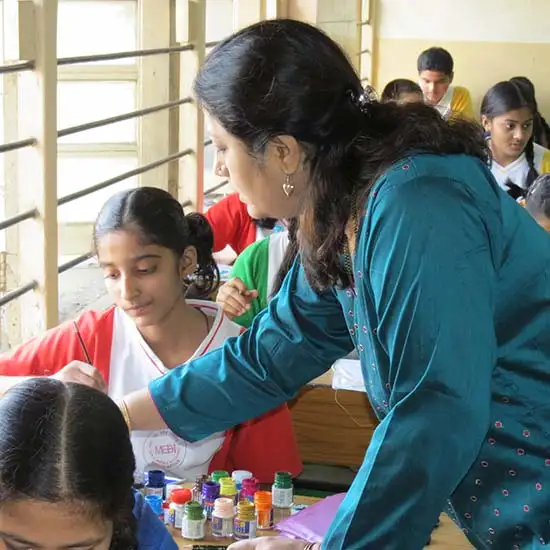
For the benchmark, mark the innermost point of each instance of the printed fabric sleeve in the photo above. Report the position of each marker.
(428, 249)
(49, 352)
(251, 268)
(297, 338)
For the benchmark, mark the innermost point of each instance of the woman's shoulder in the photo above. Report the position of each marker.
(434, 167)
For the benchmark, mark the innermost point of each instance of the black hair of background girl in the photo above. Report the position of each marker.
(396, 88)
(502, 98)
(44, 422)
(159, 218)
(541, 129)
(286, 77)
(537, 200)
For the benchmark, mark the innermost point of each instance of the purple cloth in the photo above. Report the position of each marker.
(312, 523)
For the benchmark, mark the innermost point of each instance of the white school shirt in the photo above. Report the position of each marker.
(517, 171)
(133, 365)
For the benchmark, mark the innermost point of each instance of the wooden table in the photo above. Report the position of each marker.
(446, 536)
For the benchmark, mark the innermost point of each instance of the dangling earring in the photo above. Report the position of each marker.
(288, 186)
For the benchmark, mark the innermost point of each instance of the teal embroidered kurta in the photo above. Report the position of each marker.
(450, 314)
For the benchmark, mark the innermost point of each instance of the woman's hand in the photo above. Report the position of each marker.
(271, 543)
(234, 298)
(81, 373)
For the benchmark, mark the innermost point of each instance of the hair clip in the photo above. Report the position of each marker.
(365, 98)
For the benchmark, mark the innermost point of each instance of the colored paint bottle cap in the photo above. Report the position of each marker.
(155, 503)
(156, 478)
(262, 500)
(216, 475)
(250, 484)
(283, 480)
(181, 496)
(245, 510)
(227, 486)
(224, 507)
(193, 511)
(210, 490)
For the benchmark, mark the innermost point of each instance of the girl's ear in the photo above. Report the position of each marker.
(188, 262)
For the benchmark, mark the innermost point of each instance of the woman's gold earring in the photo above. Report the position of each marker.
(288, 187)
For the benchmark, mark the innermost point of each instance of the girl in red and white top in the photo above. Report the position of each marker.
(150, 253)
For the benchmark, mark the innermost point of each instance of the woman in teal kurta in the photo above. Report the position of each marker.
(447, 301)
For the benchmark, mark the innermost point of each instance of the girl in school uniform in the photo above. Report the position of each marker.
(507, 115)
(150, 252)
(66, 473)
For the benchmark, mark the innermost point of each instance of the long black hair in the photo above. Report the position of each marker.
(502, 98)
(57, 446)
(160, 220)
(285, 77)
(541, 129)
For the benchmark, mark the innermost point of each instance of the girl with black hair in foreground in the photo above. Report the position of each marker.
(66, 473)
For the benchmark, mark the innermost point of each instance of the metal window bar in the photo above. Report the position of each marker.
(28, 214)
(17, 67)
(20, 144)
(121, 177)
(207, 143)
(17, 292)
(215, 188)
(18, 218)
(79, 59)
(120, 118)
(74, 262)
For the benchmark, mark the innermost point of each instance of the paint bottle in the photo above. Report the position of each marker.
(197, 488)
(244, 524)
(155, 483)
(264, 510)
(210, 492)
(228, 490)
(192, 525)
(216, 475)
(248, 489)
(179, 498)
(155, 503)
(238, 476)
(167, 513)
(282, 490)
(222, 517)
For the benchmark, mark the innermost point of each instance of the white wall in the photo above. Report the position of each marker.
(526, 21)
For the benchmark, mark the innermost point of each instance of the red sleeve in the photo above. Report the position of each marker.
(230, 223)
(262, 446)
(48, 353)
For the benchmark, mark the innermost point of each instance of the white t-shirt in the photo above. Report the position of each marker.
(517, 171)
(134, 365)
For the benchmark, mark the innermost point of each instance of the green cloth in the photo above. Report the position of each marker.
(251, 267)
